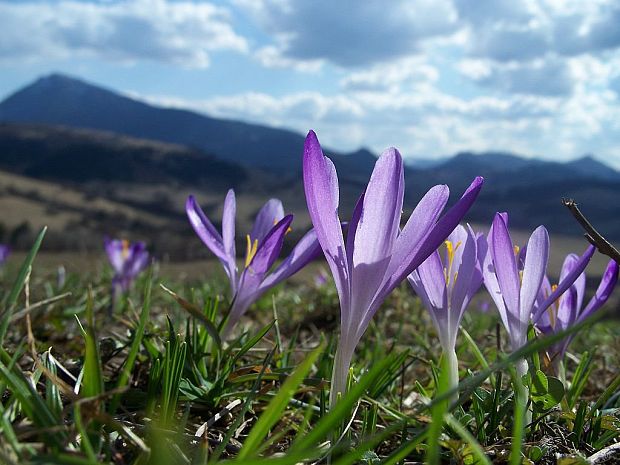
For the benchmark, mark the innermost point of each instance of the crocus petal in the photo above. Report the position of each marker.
(377, 228)
(137, 260)
(269, 214)
(269, 249)
(306, 250)
(418, 287)
(228, 238)
(249, 288)
(465, 263)
(321, 189)
(492, 285)
(418, 226)
(507, 274)
(567, 309)
(412, 258)
(205, 230)
(608, 282)
(439, 315)
(565, 283)
(352, 228)
(228, 223)
(446, 224)
(481, 251)
(533, 272)
(502, 252)
(431, 273)
(579, 286)
(114, 251)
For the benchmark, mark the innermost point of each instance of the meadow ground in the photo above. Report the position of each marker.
(150, 381)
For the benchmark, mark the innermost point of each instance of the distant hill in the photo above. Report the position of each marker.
(62, 100)
(80, 156)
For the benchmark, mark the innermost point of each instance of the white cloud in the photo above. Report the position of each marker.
(410, 72)
(184, 33)
(350, 33)
(431, 124)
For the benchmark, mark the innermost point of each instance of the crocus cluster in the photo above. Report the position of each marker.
(568, 309)
(377, 254)
(264, 244)
(446, 287)
(127, 260)
(513, 281)
(514, 278)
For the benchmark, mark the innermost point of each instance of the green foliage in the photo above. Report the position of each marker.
(155, 383)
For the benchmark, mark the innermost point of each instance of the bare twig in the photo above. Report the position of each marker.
(591, 234)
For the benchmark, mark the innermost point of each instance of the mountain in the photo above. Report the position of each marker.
(61, 100)
(593, 167)
(108, 146)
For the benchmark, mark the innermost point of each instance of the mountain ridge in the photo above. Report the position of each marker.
(528, 188)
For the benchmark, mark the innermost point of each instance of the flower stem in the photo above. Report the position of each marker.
(340, 373)
(521, 369)
(452, 365)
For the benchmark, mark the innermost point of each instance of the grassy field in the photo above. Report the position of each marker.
(151, 381)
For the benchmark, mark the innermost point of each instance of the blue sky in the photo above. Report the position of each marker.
(430, 77)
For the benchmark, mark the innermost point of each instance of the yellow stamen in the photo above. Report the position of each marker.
(451, 249)
(516, 250)
(125, 249)
(553, 308)
(250, 250)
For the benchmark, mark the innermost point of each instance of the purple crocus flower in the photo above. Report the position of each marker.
(127, 260)
(513, 282)
(447, 287)
(568, 309)
(514, 279)
(5, 251)
(378, 255)
(264, 244)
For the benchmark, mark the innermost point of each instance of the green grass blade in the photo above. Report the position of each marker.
(518, 429)
(336, 416)
(277, 405)
(246, 406)
(251, 342)
(606, 395)
(196, 313)
(476, 449)
(92, 381)
(123, 379)
(19, 285)
(438, 413)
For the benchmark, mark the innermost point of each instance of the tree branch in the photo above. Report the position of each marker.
(591, 234)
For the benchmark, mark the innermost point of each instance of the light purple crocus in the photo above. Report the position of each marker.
(127, 260)
(5, 251)
(446, 287)
(264, 244)
(377, 254)
(513, 283)
(514, 278)
(568, 309)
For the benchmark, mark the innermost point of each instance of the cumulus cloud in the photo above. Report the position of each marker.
(428, 124)
(505, 30)
(410, 72)
(350, 33)
(542, 77)
(183, 33)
